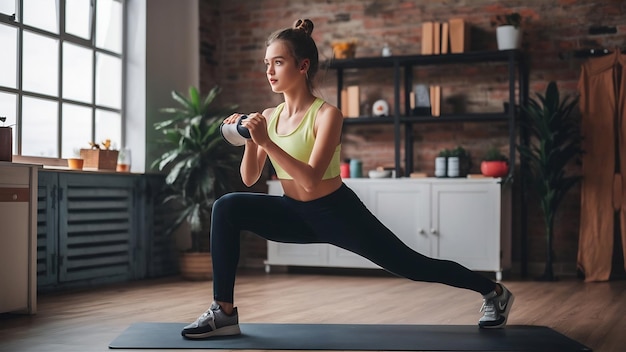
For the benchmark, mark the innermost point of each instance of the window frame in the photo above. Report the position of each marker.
(63, 37)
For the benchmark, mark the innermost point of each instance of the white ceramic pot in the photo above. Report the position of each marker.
(453, 166)
(508, 37)
(440, 166)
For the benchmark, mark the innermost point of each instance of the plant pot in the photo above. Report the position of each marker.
(6, 144)
(101, 159)
(123, 160)
(494, 168)
(454, 163)
(441, 167)
(508, 37)
(75, 163)
(196, 266)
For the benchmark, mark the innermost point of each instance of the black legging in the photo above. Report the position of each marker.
(339, 218)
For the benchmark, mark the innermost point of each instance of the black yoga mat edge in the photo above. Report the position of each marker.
(351, 337)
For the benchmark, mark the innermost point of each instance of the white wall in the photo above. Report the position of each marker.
(163, 55)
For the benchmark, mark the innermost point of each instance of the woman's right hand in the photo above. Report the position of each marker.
(257, 125)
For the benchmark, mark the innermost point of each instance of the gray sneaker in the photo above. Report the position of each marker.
(496, 309)
(213, 322)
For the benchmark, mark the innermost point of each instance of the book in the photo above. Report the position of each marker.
(436, 38)
(427, 38)
(353, 98)
(344, 103)
(445, 37)
(459, 36)
(435, 100)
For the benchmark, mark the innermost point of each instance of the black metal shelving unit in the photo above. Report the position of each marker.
(403, 78)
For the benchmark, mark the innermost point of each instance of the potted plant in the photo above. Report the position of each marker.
(99, 156)
(458, 162)
(508, 33)
(75, 162)
(554, 141)
(494, 164)
(441, 163)
(200, 167)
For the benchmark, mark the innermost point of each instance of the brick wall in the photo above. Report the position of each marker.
(233, 37)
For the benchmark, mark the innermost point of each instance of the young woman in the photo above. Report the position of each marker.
(302, 138)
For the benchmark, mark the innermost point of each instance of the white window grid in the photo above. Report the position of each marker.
(17, 21)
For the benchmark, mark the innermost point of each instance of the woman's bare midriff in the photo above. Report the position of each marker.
(324, 188)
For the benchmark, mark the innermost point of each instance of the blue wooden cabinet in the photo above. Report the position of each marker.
(97, 228)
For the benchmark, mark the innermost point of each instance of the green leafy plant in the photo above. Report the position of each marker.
(555, 141)
(494, 154)
(511, 19)
(444, 153)
(459, 152)
(464, 161)
(200, 166)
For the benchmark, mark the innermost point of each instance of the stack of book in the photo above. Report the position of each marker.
(445, 37)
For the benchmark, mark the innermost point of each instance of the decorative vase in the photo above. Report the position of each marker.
(441, 166)
(508, 37)
(494, 168)
(123, 160)
(356, 168)
(453, 166)
(75, 163)
(196, 266)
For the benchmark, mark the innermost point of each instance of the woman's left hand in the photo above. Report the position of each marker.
(257, 125)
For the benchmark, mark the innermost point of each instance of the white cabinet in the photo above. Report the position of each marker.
(466, 224)
(464, 220)
(18, 238)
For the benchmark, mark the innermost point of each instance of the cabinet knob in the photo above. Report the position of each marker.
(422, 232)
(433, 231)
(14, 196)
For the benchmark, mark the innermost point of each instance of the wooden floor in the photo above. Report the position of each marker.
(593, 314)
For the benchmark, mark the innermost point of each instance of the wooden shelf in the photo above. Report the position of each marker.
(420, 60)
(469, 117)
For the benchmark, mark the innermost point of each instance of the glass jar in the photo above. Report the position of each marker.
(123, 160)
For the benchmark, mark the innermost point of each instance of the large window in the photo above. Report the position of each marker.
(61, 74)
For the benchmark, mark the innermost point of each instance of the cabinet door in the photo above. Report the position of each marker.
(466, 222)
(47, 214)
(14, 247)
(96, 228)
(17, 239)
(405, 209)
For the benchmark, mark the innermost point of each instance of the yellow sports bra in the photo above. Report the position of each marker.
(299, 143)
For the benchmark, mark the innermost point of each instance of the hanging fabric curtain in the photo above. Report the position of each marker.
(602, 88)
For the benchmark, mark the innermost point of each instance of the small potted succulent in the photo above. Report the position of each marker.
(75, 162)
(508, 32)
(441, 163)
(494, 164)
(458, 162)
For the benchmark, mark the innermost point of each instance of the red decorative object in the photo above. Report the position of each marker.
(494, 168)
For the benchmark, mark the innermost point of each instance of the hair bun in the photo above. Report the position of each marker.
(305, 25)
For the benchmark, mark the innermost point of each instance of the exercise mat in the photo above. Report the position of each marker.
(360, 337)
